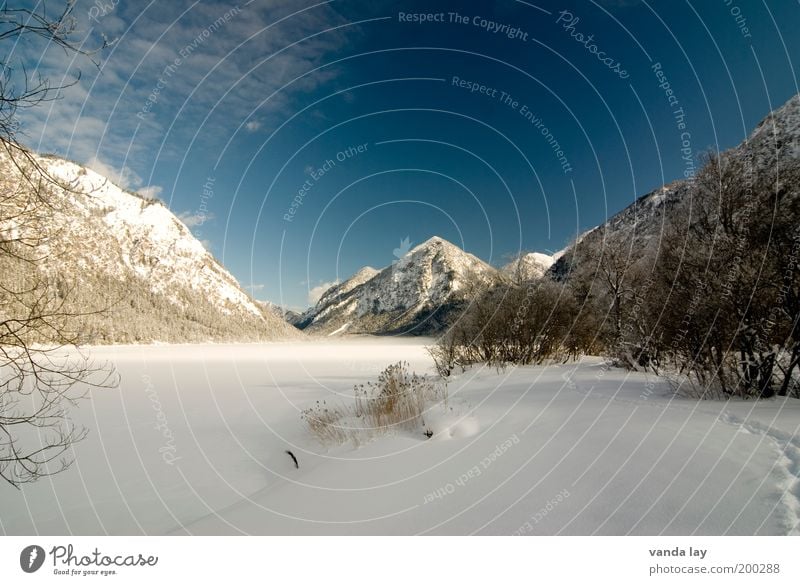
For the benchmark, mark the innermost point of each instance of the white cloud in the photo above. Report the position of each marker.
(125, 177)
(315, 293)
(227, 74)
(150, 192)
(194, 218)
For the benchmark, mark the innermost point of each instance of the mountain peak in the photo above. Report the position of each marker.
(411, 295)
(435, 242)
(365, 271)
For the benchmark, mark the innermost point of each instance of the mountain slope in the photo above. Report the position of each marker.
(135, 268)
(643, 222)
(336, 298)
(414, 295)
(777, 134)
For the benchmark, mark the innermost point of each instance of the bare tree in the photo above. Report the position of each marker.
(21, 89)
(510, 323)
(608, 275)
(730, 266)
(42, 371)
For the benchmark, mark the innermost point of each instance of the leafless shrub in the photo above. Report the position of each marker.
(511, 323)
(730, 266)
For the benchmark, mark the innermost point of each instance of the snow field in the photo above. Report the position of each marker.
(194, 441)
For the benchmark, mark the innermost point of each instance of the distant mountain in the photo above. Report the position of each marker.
(132, 258)
(644, 220)
(335, 299)
(528, 266)
(414, 295)
(288, 315)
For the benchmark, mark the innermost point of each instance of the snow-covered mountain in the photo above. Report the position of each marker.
(335, 299)
(413, 295)
(137, 262)
(646, 218)
(335, 293)
(778, 133)
(289, 315)
(528, 266)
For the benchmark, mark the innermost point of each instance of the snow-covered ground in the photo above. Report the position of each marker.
(194, 441)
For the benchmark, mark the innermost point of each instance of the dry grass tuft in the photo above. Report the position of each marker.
(397, 400)
(326, 423)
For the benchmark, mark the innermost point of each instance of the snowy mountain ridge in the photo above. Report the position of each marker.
(644, 220)
(153, 242)
(134, 257)
(411, 295)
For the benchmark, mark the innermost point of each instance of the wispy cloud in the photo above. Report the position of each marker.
(195, 218)
(202, 68)
(124, 177)
(150, 192)
(316, 293)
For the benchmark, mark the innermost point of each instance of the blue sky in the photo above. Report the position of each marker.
(304, 140)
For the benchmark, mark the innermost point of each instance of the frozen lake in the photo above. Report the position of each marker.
(194, 439)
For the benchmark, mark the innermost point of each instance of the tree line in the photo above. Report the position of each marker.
(706, 290)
